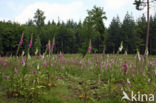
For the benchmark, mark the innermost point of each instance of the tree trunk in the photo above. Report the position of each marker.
(147, 35)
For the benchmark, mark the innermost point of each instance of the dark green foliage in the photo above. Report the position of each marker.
(141, 33)
(128, 35)
(72, 37)
(10, 36)
(114, 35)
(37, 44)
(152, 43)
(1, 45)
(94, 21)
(140, 4)
(65, 40)
(39, 18)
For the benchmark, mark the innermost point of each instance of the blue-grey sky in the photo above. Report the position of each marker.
(22, 10)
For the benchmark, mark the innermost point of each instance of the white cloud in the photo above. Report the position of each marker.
(15, 7)
(106, 22)
(72, 10)
(153, 8)
(116, 4)
(4, 19)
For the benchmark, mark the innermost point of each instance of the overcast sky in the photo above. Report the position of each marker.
(22, 10)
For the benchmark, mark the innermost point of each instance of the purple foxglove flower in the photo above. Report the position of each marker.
(96, 57)
(40, 56)
(4, 64)
(15, 70)
(105, 66)
(21, 41)
(53, 43)
(35, 71)
(125, 67)
(30, 44)
(22, 62)
(90, 47)
(45, 63)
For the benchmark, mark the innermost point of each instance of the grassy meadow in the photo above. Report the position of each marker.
(69, 78)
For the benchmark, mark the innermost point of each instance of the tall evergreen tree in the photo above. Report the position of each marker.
(128, 33)
(152, 43)
(114, 35)
(141, 33)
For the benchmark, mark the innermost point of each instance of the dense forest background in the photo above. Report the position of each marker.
(73, 37)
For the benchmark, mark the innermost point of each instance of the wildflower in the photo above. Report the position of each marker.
(133, 73)
(36, 51)
(96, 64)
(38, 67)
(25, 57)
(21, 41)
(125, 67)
(146, 52)
(23, 53)
(43, 56)
(40, 56)
(90, 47)
(128, 81)
(105, 66)
(121, 47)
(96, 57)
(53, 42)
(45, 63)
(35, 71)
(29, 57)
(49, 45)
(73, 62)
(4, 64)
(125, 52)
(62, 59)
(60, 55)
(30, 44)
(15, 94)
(138, 55)
(83, 96)
(22, 62)
(15, 70)
(112, 61)
(51, 64)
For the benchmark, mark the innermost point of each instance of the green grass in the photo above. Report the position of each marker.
(67, 81)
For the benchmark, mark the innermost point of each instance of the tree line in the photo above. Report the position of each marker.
(74, 37)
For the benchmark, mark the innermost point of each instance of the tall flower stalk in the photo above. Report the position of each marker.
(90, 47)
(49, 47)
(20, 44)
(53, 45)
(30, 44)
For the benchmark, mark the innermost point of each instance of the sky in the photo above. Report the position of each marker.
(22, 10)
